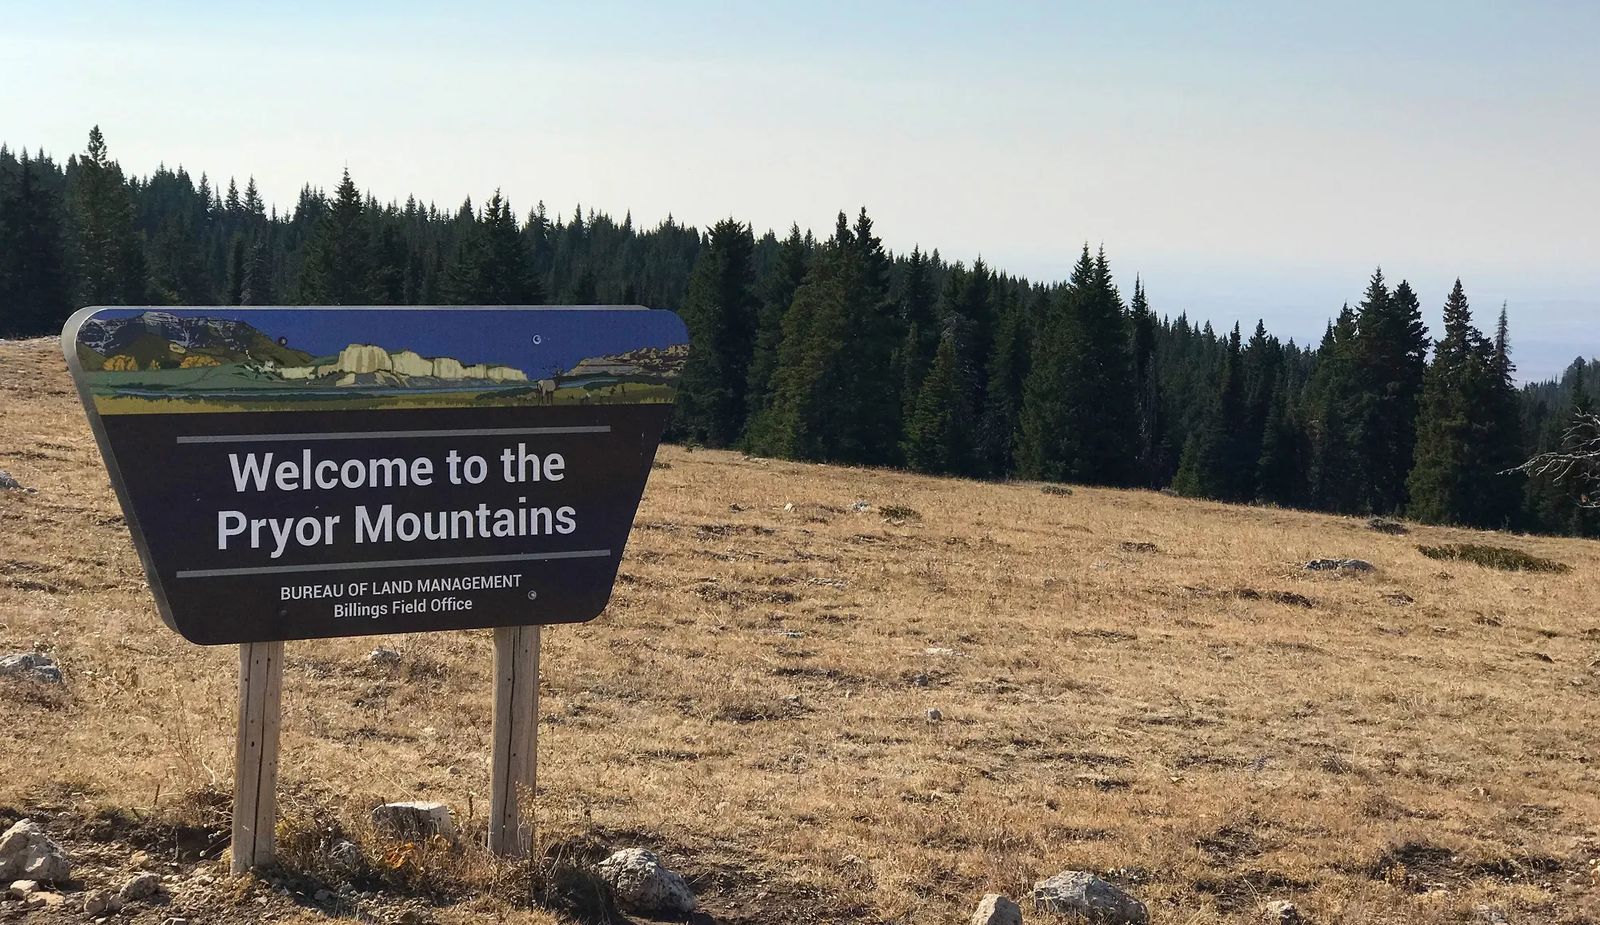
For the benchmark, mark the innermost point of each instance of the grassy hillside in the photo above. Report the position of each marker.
(1128, 682)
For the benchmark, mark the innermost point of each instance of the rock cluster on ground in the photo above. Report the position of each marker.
(1339, 565)
(30, 666)
(27, 853)
(1086, 896)
(642, 884)
(414, 819)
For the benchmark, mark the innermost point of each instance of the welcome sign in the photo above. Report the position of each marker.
(291, 473)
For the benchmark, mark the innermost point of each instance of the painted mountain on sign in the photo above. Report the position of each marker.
(163, 340)
(189, 360)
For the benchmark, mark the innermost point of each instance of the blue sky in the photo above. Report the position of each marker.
(1247, 159)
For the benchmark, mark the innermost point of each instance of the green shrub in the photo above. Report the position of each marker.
(1500, 557)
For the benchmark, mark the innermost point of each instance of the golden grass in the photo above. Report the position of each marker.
(1222, 725)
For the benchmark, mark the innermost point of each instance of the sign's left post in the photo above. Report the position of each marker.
(255, 767)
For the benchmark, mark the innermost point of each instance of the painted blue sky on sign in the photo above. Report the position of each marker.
(537, 341)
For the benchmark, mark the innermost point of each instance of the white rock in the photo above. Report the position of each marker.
(22, 889)
(1082, 894)
(1282, 912)
(995, 909)
(1339, 565)
(140, 886)
(860, 506)
(26, 853)
(33, 666)
(414, 819)
(642, 884)
(383, 656)
(97, 902)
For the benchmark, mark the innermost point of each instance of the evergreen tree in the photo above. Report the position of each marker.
(110, 265)
(34, 287)
(492, 264)
(921, 326)
(720, 312)
(1218, 461)
(1445, 476)
(1147, 386)
(778, 287)
(1391, 357)
(833, 392)
(338, 264)
(1078, 412)
(1334, 479)
(939, 433)
(1002, 409)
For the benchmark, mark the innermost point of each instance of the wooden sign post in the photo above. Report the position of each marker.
(305, 473)
(516, 740)
(255, 764)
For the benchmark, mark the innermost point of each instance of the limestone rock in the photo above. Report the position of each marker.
(141, 886)
(1339, 565)
(642, 884)
(99, 902)
(414, 819)
(30, 666)
(383, 656)
(22, 889)
(995, 909)
(1082, 894)
(26, 853)
(1283, 912)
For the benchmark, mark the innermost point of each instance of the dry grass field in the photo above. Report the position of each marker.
(1128, 682)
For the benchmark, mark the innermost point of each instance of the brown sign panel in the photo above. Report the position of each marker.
(293, 473)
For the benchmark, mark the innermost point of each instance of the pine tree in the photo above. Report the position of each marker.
(492, 264)
(1444, 479)
(1334, 477)
(1501, 441)
(1147, 386)
(1391, 357)
(784, 278)
(1218, 461)
(833, 392)
(110, 265)
(1078, 416)
(921, 340)
(338, 265)
(720, 312)
(939, 433)
(1002, 409)
(34, 287)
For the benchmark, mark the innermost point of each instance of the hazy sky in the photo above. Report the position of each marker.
(1248, 159)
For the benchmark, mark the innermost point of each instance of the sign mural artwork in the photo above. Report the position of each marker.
(291, 473)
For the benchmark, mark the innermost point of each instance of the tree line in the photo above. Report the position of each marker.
(839, 350)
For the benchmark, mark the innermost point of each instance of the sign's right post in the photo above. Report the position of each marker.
(516, 740)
